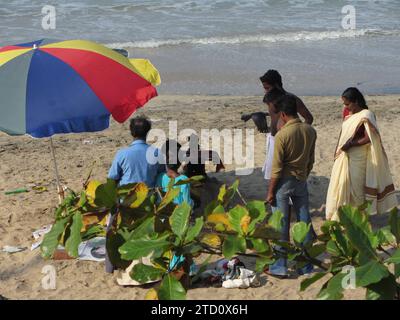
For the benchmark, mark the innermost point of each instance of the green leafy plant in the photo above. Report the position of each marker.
(148, 224)
(371, 256)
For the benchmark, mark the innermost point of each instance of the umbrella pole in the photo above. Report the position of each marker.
(60, 190)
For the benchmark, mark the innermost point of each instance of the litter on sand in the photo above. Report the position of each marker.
(11, 249)
(93, 250)
(230, 274)
(16, 191)
(38, 234)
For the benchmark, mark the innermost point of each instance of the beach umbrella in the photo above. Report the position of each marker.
(51, 87)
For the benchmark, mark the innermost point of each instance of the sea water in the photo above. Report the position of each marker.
(223, 47)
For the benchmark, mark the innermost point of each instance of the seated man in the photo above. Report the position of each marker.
(134, 164)
(138, 162)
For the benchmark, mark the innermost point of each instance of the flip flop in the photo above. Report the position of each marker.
(278, 276)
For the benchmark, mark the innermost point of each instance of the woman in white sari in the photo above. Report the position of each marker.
(361, 170)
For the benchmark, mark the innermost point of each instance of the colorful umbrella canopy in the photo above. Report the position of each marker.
(49, 87)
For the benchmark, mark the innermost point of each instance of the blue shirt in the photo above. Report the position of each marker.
(130, 164)
(184, 194)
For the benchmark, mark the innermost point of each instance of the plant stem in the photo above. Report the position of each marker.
(241, 197)
(314, 261)
(384, 251)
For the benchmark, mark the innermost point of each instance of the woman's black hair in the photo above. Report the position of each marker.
(273, 78)
(354, 95)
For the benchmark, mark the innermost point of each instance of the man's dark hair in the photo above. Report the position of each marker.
(140, 127)
(273, 95)
(288, 105)
(273, 78)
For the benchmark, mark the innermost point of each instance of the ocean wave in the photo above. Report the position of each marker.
(243, 39)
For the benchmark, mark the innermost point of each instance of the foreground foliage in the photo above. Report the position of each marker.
(148, 224)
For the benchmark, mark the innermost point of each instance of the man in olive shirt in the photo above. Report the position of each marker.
(292, 163)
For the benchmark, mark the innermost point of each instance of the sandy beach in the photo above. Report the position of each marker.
(26, 162)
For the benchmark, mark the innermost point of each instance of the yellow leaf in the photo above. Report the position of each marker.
(220, 218)
(151, 294)
(140, 194)
(211, 240)
(91, 191)
(244, 223)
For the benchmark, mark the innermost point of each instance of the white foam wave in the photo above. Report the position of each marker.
(242, 39)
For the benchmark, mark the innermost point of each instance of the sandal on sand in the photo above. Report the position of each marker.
(278, 276)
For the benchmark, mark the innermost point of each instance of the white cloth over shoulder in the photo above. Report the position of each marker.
(267, 168)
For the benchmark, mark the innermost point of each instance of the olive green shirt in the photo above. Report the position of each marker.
(294, 150)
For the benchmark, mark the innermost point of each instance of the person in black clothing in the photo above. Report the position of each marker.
(198, 166)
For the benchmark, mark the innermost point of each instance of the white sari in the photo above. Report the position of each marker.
(362, 173)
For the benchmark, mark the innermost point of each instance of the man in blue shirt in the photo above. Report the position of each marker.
(138, 162)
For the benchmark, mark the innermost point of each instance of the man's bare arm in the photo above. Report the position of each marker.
(304, 112)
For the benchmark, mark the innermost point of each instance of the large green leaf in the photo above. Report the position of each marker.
(266, 232)
(260, 245)
(106, 194)
(314, 278)
(385, 289)
(370, 273)
(257, 213)
(143, 273)
(171, 289)
(179, 219)
(395, 258)
(395, 224)
(137, 196)
(385, 236)
(52, 238)
(316, 250)
(332, 248)
(397, 270)
(74, 239)
(93, 231)
(235, 218)
(359, 232)
(275, 221)
(262, 262)
(299, 231)
(211, 207)
(341, 241)
(114, 240)
(195, 230)
(138, 248)
(168, 198)
(142, 229)
(233, 245)
(191, 180)
(334, 289)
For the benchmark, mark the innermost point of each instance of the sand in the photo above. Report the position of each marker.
(25, 162)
